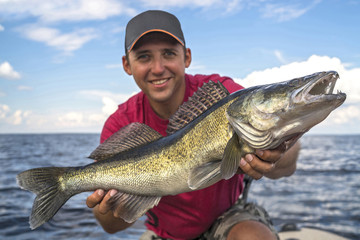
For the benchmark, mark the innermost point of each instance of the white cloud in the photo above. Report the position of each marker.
(115, 65)
(82, 10)
(283, 11)
(44, 14)
(16, 118)
(110, 105)
(28, 121)
(4, 110)
(81, 121)
(109, 100)
(78, 121)
(7, 71)
(279, 55)
(226, 6)
(347, 112)
(181, 3)
(197, 67)
(286, 11)
(67, 42)
(68, 121)
(12, 117)
(1, 28)
(65, 10)
(348, 83)
(119, 98)
(24, 88)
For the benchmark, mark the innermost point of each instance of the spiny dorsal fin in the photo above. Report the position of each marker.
(206, 96)
(130, 136)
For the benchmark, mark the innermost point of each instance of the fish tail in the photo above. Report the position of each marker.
(46, 183)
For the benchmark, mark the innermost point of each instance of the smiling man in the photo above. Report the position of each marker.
(157, 62)
(156, 56)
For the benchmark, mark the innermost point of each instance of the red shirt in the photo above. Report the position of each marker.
(186, 215)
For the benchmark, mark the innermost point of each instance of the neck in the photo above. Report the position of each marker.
(166, 109)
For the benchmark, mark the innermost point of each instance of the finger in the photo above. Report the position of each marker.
(104, 205)
(258, 164)
(95, 198)
(270, 155)
(247, 169)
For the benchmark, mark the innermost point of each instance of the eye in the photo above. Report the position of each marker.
(169, 53)
(142, 57)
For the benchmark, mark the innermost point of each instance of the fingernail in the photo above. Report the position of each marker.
(242, 162)
(100, 192)
(260, 153)
(249, 157)
(113, 192)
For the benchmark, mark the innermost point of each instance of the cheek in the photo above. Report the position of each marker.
(139, 72)
(177, 67)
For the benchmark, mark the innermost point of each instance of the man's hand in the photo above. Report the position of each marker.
(108, 219)
(274, 163)
(100, 199)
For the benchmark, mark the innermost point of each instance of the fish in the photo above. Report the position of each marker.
(206, 138)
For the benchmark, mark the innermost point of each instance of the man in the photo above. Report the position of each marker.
(156, 57)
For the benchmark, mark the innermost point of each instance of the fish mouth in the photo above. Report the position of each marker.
(319, 88)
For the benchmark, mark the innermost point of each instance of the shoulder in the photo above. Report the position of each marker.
(126, 113)
(196, 81)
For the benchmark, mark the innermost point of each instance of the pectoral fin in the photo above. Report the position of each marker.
(131, 207)
(231, 158)
(204, 175)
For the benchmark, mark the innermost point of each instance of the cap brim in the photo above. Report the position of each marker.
(154, 30)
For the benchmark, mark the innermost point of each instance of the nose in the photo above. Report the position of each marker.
(158, 67)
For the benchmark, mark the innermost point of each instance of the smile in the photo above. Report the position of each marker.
(160, 81)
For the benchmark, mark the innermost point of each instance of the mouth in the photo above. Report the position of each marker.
(320, 87)
(324, 85)
(159, 82)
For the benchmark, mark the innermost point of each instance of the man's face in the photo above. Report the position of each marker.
(158, 64)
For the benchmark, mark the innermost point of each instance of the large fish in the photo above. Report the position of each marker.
(206, 139)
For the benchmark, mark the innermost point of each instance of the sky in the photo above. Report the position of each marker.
(61, 68)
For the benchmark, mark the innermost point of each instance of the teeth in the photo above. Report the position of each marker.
(158, 82)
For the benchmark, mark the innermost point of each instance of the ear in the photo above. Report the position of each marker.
(187, 57)
(126, 65)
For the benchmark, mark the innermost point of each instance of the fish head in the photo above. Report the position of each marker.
(269, 115)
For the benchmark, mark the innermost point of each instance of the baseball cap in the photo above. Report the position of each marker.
(152, 21)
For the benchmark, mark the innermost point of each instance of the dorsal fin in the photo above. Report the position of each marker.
(133, 135)
(206, 96)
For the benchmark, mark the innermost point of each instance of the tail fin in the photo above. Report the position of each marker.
(51, 195)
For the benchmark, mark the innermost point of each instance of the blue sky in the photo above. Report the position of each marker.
(60, 60)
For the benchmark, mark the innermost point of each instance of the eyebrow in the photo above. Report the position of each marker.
(139, 52)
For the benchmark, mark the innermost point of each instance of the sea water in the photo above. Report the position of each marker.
(324, 192)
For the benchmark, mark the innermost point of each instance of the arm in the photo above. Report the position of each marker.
(108, 219)
(273, 164)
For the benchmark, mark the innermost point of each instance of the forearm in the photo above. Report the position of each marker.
(110, 223)
(286, 165)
